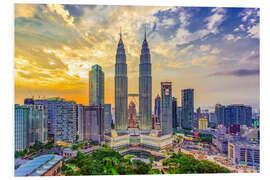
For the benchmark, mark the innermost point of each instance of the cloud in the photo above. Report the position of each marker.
(205, 48)
(238, 73)
(249, 13)
(25, 10)
(176, 64)
(254, 31)
(241, 27)
(186, 49)
(202, 61)
(215, 51)
(231, 37)
(60, 10)
(56, 45)
(216, 19)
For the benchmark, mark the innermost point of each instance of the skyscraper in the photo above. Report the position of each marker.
(38, 123)
(220, 113)
(61, 119)
(91, 122)
(30, 125)
(107, 117)
(96, 123)
(145, 88)
(197, 117)
(157, 108)
(234, 114)
(166, 107)
(121, 88)
(179, 116)
(96, 85)
(187, 97)
(80, 122)
(174, 113)
(21, 127)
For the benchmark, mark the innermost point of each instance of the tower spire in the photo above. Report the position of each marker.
(120, 33)
(145, 31)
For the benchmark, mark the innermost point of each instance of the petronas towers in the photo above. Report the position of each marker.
(121, 88)
(145, 88)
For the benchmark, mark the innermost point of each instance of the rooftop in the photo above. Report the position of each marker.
(38, 166)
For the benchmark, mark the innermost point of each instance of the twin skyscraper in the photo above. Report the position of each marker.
(121, 88)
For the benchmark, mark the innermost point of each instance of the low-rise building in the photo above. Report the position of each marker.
(244, 152)
(46, 165)
(152, 140)
(69, 153)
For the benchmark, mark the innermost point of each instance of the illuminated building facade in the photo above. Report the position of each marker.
(132, 123)
(203, 123)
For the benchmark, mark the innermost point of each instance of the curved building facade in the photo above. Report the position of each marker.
(145, 88)
(121, 88)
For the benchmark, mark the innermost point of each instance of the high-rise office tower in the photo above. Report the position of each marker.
(80, 122)
(61, 119)
(197, 117)
(145, 88)
(157, 108)
(166, 108)
(121, 88)
(220, 113)
(233, 114)
(91, 123)
(31, 125)
(96, 123)
(187, 97)
(174, 113)
(132, 122)
(21, 127)
(179, 116)
(96, 85)
(38, 123)
(107, 117)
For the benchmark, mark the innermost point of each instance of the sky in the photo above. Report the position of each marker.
(213, 50)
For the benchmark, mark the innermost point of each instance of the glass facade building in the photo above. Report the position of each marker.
(107, 117)
(234, 114)
(166, 108)
(31, 125)
(187, 99)
(38, 123)
(96, 85)
(61, 119)
(21, 127)
(174, 113)
(157, 108)
(179, 116)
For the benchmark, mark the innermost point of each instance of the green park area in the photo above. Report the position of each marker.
(106, 161)
(185, 164)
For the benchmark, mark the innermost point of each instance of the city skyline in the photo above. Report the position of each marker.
(66, 40)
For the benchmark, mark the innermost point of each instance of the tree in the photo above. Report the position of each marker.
(74, 147)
